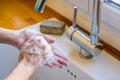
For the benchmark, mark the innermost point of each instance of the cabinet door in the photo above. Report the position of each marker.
(90, 7)
(83, 5)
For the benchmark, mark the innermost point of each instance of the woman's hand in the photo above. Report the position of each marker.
(28, 63)
(24, 35)
(58, 60)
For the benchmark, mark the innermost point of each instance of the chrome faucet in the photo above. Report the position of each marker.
(89, 45)
(40, 5)
(94, 37)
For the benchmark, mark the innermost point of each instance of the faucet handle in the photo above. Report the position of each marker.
(73, 28)
(75, 17)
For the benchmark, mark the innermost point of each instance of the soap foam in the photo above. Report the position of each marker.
(38, 45)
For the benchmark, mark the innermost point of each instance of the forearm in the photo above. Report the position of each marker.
(22, 71)
(8, 36)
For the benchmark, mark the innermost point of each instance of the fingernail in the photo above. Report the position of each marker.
(60, 66)
(67, 64)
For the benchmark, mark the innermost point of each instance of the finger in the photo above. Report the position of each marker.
(59, 55)
(57, 64)
(26, 43)
(49, 65)
(49, 38)
(62, 61)
(30, 40)
(30, 33)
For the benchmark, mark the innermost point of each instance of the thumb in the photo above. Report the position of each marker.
(49, 39)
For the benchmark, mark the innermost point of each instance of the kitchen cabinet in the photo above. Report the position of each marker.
(81, 4)
(62, 6)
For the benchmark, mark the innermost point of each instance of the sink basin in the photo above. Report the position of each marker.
(9, 56)
(66, 73)
(102, 67)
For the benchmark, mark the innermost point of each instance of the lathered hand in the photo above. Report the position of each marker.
(38, 52)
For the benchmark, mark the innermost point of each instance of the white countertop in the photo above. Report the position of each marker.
(102, 67)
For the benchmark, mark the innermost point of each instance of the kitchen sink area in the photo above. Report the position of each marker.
(66, 73)
(101, 67)
(90, 39)
(9, 60)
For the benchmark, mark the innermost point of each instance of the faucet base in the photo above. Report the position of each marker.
(84, 54)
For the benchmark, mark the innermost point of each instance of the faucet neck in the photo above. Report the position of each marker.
(94, 37)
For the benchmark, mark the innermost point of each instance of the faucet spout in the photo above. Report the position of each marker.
(94, 37)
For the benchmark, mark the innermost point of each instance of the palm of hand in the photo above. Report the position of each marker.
(58, 60)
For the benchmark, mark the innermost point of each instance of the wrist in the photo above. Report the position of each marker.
(19, 38)
(22, 71)
(29, 60)
(26, 69)
(13, 37)
(7, 36)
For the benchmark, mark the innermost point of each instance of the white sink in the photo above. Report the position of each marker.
(9, 55)
(102, 67)
(66, 73)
